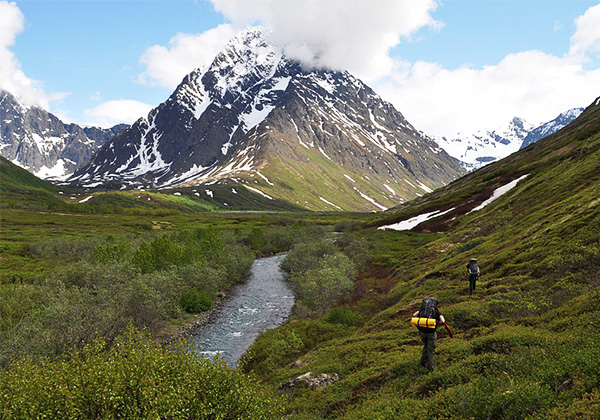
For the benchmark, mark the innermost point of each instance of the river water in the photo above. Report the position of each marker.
(264, 301)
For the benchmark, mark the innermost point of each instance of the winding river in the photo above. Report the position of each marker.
(264, 301)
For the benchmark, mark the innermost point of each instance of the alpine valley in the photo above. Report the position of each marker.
(319, 139)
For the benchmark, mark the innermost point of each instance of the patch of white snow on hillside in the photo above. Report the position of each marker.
(325, 84)
(85, 199)
(330, 203)
(498, 192)
(298, 134)
(256, 115)
(256, 190)
(58, 171)
(195, 172)
(200, 106)
(369, 199)
(349, 178)
(259, 110)
(265, 178)
(387, 187)
(209, 193)
(375, 123)
(324, 154)
(414, 221)
(409, 183)
(425, 187)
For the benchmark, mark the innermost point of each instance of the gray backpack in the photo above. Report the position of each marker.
(473, 267)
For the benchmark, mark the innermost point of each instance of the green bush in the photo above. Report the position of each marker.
(322, 287)
(273, 349)
(195, 301)
(343, 315)
(305, 256)
(132, 378)
(159, 254)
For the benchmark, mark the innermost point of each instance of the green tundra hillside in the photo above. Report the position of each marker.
(526, 343)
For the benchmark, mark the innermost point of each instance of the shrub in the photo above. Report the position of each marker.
(134, 378)
(195, 301)
(110, 252)
(343, 315)
(305, 256)
(66, 248)
(159, 254)
(273, 349)
(257, 240)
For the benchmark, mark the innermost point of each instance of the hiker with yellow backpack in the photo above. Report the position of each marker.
(426, 320)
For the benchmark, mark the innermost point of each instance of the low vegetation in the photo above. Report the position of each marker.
(131, 378)
(525, 344)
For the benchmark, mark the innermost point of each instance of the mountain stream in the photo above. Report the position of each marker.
(264, 301)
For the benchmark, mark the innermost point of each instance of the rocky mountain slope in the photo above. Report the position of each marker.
(41, 143)
(319, 139)
(485, 146)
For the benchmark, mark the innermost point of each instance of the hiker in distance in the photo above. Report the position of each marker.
(472, 274)
(426, 320)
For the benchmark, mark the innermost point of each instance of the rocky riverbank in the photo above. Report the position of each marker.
(192, 326)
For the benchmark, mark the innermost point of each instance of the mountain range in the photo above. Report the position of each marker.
(319, 139)
(484, 146)
(44, 145)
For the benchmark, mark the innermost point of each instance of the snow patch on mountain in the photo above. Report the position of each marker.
(256, 190)
(499, 192)
(413, 222)
(330, 203)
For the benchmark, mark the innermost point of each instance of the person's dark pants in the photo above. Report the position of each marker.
(429, 345)
(472, 280)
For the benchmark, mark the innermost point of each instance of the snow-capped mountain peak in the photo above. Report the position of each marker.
(39, 142)
(255, 114)
(485, 146)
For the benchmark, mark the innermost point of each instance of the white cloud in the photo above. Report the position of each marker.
(532, 84)
(110, 113)
(167, 66)
(354, 35)
(586, 39)
(12, 77)
(357, 35)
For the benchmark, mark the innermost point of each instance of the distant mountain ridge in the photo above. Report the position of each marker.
(41, 143)
(485, 146)
(320, 139)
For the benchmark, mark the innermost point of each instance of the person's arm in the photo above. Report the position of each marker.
(416, 314)
(442, 319)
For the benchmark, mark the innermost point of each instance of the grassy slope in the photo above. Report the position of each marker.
(20, 188)
(302, 176)
(526, 343)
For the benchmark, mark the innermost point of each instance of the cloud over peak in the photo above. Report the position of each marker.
(354, 35)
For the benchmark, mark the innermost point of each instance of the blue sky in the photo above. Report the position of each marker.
(448, 66)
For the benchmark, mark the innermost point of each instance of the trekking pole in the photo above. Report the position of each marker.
(448, 328)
